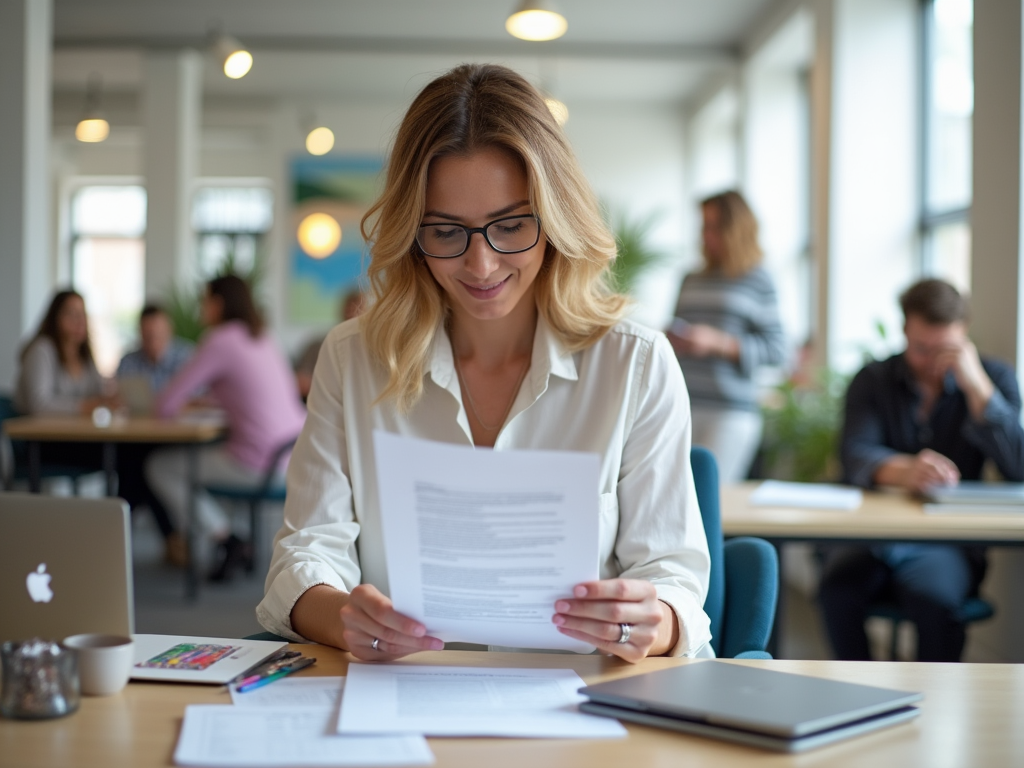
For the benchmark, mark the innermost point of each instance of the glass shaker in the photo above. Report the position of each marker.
(40, 680)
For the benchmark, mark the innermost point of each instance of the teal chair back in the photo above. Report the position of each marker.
(744, 585)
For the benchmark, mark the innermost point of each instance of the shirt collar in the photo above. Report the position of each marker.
(550, 358)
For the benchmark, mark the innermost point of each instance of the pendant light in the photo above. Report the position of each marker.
(232, 55)
(93, 127)
(536, 20)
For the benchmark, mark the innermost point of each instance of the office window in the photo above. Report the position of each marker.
(948, 111)
(108, 225)
(230, 223)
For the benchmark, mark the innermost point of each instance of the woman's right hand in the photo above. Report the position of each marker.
(369, 615)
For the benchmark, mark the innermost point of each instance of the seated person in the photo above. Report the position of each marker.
(931, 415)
(492, 325)
(250, 378)
(143, 373)
(160, 353)
(58, 377)
(352, 305)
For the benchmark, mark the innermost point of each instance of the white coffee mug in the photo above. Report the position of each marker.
(104, 662)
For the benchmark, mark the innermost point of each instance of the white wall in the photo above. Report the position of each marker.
(633, 158)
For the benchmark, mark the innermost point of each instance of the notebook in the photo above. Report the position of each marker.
(65, 567)
(751, 705)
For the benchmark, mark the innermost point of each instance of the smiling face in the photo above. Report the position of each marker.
(474, 190)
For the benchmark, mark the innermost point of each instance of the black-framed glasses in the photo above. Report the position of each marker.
(511, 234)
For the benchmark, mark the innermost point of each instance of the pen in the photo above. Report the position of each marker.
(266, 668)
(272, 661)
(302, 664)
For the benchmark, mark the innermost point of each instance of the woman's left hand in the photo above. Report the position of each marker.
(599, 608)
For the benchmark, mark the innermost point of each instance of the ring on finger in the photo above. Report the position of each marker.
(625, 630)
(374, 645)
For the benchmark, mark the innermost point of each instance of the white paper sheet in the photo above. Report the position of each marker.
(225, 736)
(468, 701)
(773, 493)
(481, 543)
(323, 692)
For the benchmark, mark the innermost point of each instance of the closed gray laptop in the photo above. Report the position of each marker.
(65, 567)
(974, 492)
(751, 705)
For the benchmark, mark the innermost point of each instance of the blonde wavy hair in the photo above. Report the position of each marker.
(473, 107)
(741, 252)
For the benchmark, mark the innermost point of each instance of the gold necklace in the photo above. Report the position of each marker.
(472, 405)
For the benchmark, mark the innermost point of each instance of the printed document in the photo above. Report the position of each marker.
(481, 543)
(774, 493)
(221, 735)
(468, 701)
(323, 692)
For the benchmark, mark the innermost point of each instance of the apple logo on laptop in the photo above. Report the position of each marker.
(38, 583)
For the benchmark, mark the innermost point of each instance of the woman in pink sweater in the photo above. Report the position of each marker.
(249, 377)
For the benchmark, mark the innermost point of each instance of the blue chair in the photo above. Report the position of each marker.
(14, 458)
(744, 584)
(974, 609)
(270, 490)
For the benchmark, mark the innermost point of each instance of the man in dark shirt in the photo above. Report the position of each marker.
(929, 416)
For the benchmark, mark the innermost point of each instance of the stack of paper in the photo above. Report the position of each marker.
(291, 722)
(773, 493)
(468, 701)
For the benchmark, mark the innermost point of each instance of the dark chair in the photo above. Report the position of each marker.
(270, 490)
(14, 458)
(974, 609)
(744, 584)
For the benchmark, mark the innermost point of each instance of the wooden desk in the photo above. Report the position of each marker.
(970, 716)
(884, 516)
(35, 430)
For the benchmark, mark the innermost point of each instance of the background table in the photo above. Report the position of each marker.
(191, 434)
(970, 716)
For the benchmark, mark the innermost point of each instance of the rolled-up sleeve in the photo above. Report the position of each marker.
(317, 542)
(661, 534)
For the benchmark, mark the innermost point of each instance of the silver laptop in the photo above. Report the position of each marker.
(977, 493)
(750, 705)
(65, 567)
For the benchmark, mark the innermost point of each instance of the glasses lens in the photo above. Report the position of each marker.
(441, 239)
(515, 234)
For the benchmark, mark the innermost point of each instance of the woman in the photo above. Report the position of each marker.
(251, 380)
(727, 325)
(58, 375)
(492, 326)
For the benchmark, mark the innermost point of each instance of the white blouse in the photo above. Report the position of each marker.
(623, 398)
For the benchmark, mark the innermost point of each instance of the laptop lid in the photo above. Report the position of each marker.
(749, 698)
(65, 567)
(979, 493)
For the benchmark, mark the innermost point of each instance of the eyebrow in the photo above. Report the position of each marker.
(491, 215)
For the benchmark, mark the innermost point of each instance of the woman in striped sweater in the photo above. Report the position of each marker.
(726, 326)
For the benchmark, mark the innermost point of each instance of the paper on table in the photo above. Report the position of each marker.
(481, 543)
(324, 692)
(773, 493)
(224, 736)
(468, 701)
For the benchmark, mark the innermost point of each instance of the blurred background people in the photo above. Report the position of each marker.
(251, 380)
(727, 326)
(929, 416)
(160, 353)
(352, 305)
(141, 374)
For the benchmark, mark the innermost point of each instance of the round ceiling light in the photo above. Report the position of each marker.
(536, 21)
(232, 55)
(319, 235)
(320, 141)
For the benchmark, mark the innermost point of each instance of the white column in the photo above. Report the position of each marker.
(996, 272)
(171, 110)
(26, 45)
